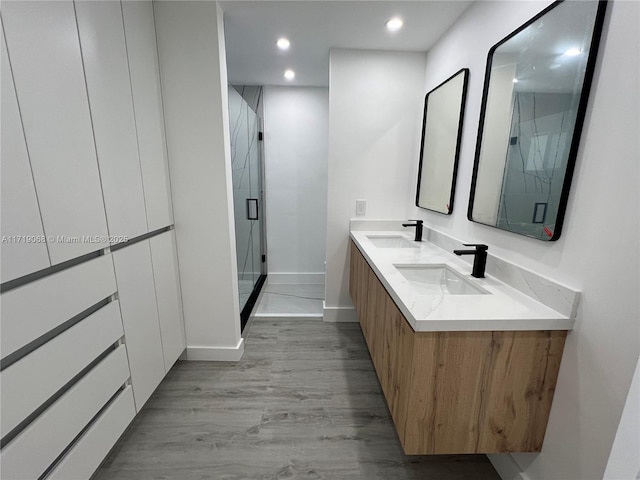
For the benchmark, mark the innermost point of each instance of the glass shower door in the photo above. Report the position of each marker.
(247, 191)
(254, 212)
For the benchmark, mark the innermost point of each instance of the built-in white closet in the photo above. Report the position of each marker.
(91, 309)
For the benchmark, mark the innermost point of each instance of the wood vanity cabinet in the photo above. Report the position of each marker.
(457, 392)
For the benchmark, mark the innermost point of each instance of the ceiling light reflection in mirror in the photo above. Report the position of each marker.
(534, 102)
(394, 24)
(283, 43)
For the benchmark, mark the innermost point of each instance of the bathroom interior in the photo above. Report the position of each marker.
(320, 239)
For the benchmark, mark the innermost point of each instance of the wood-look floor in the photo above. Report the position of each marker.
(303, 403)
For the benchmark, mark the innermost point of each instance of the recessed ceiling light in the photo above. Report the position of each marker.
(283, 43)
(394, 24)
(289, 74)
(573, 52)
(515, 80)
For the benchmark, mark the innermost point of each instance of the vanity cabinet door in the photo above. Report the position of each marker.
(354, 263)
(20, 214)
(388, 335)
(137, 295)
(358, 284)
(147, 101)
(44, 50)
(376, 302)
(106, 68)
(371, 295)
(397, 363)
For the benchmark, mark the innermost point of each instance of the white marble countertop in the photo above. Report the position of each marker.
(503, 308)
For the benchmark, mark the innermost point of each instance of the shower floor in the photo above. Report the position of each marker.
(245, 287)
(284, 300)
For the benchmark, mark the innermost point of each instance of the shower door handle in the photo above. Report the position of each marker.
(252, 213)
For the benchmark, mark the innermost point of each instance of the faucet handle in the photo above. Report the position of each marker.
(481, 247)
(419, 221)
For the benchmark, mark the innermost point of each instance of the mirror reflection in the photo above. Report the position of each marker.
(441, 131)
(536, 87)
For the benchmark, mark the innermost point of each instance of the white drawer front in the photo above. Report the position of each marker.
(30, 454)
(28, 383)
(85, 457)
(36, 308)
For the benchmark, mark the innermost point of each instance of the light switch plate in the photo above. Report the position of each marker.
(361, 207)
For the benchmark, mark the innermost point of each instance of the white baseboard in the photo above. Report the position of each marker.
(339, 314)
(288, 315)
(506, 466)
(294, 278)
(216, 354)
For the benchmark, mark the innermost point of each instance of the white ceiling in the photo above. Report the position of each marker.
(539, 50)
(314, 27)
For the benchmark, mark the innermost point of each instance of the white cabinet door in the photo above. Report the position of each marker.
(137, 295)
(147, 100)
(107, 72)
(43, 46)
(165, 272)
(22, 249)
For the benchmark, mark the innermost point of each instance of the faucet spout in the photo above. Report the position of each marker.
(418, 225)
(464, 252)
(479, 259)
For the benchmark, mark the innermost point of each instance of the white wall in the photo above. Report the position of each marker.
(597, 253)
(375, 116)
(296, 128)
(624, 461)
(194, 85)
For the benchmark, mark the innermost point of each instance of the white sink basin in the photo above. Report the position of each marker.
(438, 280)
(391, 241)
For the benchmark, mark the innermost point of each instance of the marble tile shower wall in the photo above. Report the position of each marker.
(253, 95)
(538, 157)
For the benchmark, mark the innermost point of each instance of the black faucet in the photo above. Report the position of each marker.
(418, 225)
(480, 258)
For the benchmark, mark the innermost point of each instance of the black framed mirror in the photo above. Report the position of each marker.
(536, 88)
(440, 146)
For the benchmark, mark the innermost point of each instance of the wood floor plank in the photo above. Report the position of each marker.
(303, 403)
